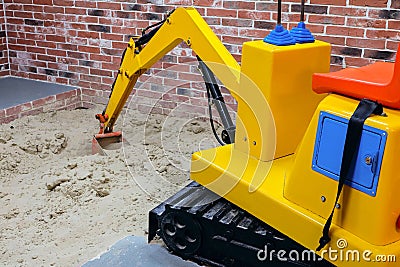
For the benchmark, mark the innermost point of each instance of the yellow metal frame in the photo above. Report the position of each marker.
(277, 80)
(225, 167)
(360, 212)
(285, 192)
(183, 25)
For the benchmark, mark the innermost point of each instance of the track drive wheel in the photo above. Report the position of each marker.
(181, 233)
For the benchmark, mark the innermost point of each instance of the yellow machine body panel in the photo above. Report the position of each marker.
(372, 218)
(225, 167)
(271, 75)
(284, 191)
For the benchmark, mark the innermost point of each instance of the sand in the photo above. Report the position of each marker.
(62, 206)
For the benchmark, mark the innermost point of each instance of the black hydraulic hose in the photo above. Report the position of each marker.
(210, 81)
(214, 92)
(158, 23)
(211, 119)
(141, 41)
(144, 39)
(120, 64)
(152, 26)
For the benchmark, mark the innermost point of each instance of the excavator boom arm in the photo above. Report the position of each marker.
(183, 25)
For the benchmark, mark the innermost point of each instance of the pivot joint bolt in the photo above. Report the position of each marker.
(368, 160)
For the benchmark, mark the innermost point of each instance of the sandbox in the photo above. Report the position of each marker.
(62, 206)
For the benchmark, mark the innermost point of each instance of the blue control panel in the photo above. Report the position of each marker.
(328, 151)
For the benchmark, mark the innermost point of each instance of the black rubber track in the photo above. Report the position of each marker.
(197, 224)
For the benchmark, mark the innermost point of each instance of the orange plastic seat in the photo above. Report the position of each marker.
(379, 82)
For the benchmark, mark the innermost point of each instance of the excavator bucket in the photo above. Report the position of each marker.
(106, 141)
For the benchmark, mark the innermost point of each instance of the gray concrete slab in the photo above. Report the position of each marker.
(15, 90)
(133, 251)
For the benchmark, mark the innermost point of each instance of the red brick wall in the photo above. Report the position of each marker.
(80, 42)
(66, 100)
(4, 67)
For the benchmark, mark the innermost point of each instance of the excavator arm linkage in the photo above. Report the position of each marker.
(182, 25)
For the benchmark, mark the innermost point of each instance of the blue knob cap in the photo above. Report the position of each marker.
(302, 34)
(280, 36)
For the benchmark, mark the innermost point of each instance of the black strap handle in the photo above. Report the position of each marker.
(352, 142)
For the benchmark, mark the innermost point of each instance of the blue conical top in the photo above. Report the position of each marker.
(280, 36)
(302, 34)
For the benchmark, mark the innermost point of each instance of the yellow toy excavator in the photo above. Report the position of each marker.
(306, 177)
